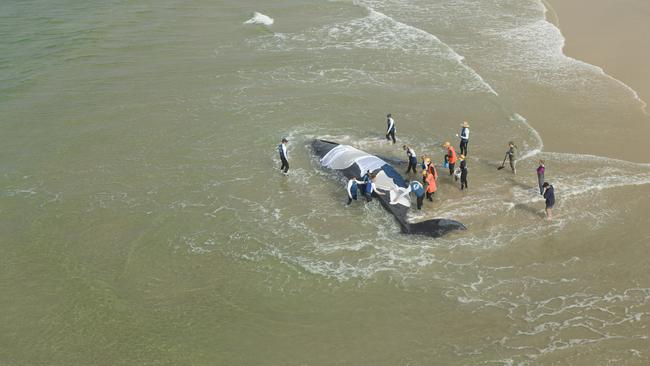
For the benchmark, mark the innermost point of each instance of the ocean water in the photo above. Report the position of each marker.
(144, 220)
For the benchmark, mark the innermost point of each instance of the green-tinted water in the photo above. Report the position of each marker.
(143, 219)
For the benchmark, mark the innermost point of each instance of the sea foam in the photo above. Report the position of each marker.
(259, 18)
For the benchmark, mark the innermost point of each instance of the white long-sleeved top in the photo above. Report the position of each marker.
(283, 151)
(411, 153)
(464, 133)
(350, 182)
(391, 125)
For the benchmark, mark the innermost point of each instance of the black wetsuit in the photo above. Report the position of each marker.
(463, 174)
(283, 156)
(390, 131)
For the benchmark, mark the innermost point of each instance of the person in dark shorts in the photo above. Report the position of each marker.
(549, 196)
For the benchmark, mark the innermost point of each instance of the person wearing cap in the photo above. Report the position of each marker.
(352, 188)
(413, 159)
(415, 187)
(540, 176)
(390, 131)
(282, 149)
(429, 184)
(463, 172)
(451, 157)
(549, 197)
(430, 168)
(464, 137)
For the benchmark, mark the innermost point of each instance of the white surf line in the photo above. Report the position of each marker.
(426, 34)
(516, 117)
(548, 8)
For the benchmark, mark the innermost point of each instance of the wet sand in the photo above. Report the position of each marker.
(608, 34)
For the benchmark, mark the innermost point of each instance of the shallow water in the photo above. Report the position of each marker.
(144, 219)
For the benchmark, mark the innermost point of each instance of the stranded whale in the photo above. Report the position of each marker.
(352, 162)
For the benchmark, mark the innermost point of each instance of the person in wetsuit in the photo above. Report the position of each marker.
(463, 172)
(284, 157)
(464, 137)
(390, 130)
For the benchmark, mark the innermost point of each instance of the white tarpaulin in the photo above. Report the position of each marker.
(343, 156)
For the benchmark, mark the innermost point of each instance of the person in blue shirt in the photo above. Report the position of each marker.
(549, 197)
(415, 187)
(282, 150)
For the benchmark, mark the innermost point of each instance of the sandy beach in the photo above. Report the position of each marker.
(608, 34)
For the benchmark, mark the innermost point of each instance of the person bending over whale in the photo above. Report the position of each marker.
(353, 188)
(371, 187)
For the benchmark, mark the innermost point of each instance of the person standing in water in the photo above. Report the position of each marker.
(352, 188)
(430, 185)
(463, 172)
(464, 137)
(540, 176)
(282, 150)
(450, 157)
(511, 155)
(412, 158)
(549, 196)
(390, 131)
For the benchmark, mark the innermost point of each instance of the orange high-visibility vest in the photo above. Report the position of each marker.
(431, 183)
(452, 155)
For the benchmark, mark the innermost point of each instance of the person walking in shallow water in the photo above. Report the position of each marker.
(390, 130)
(549, 197)
(282, 150)
(464, 137)
(540, 176)
(412, 158)
(511, 155)
(463, 172)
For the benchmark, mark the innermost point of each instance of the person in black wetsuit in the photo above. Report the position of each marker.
(463, 172)
(390, 130)
(413, 159)
(282, 150)
(464, 137)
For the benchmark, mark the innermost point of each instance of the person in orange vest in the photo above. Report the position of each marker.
(450, 157)
(429, 167)
(430, 184)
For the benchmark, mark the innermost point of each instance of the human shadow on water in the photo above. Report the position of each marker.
(530, 209)
(519, 184)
